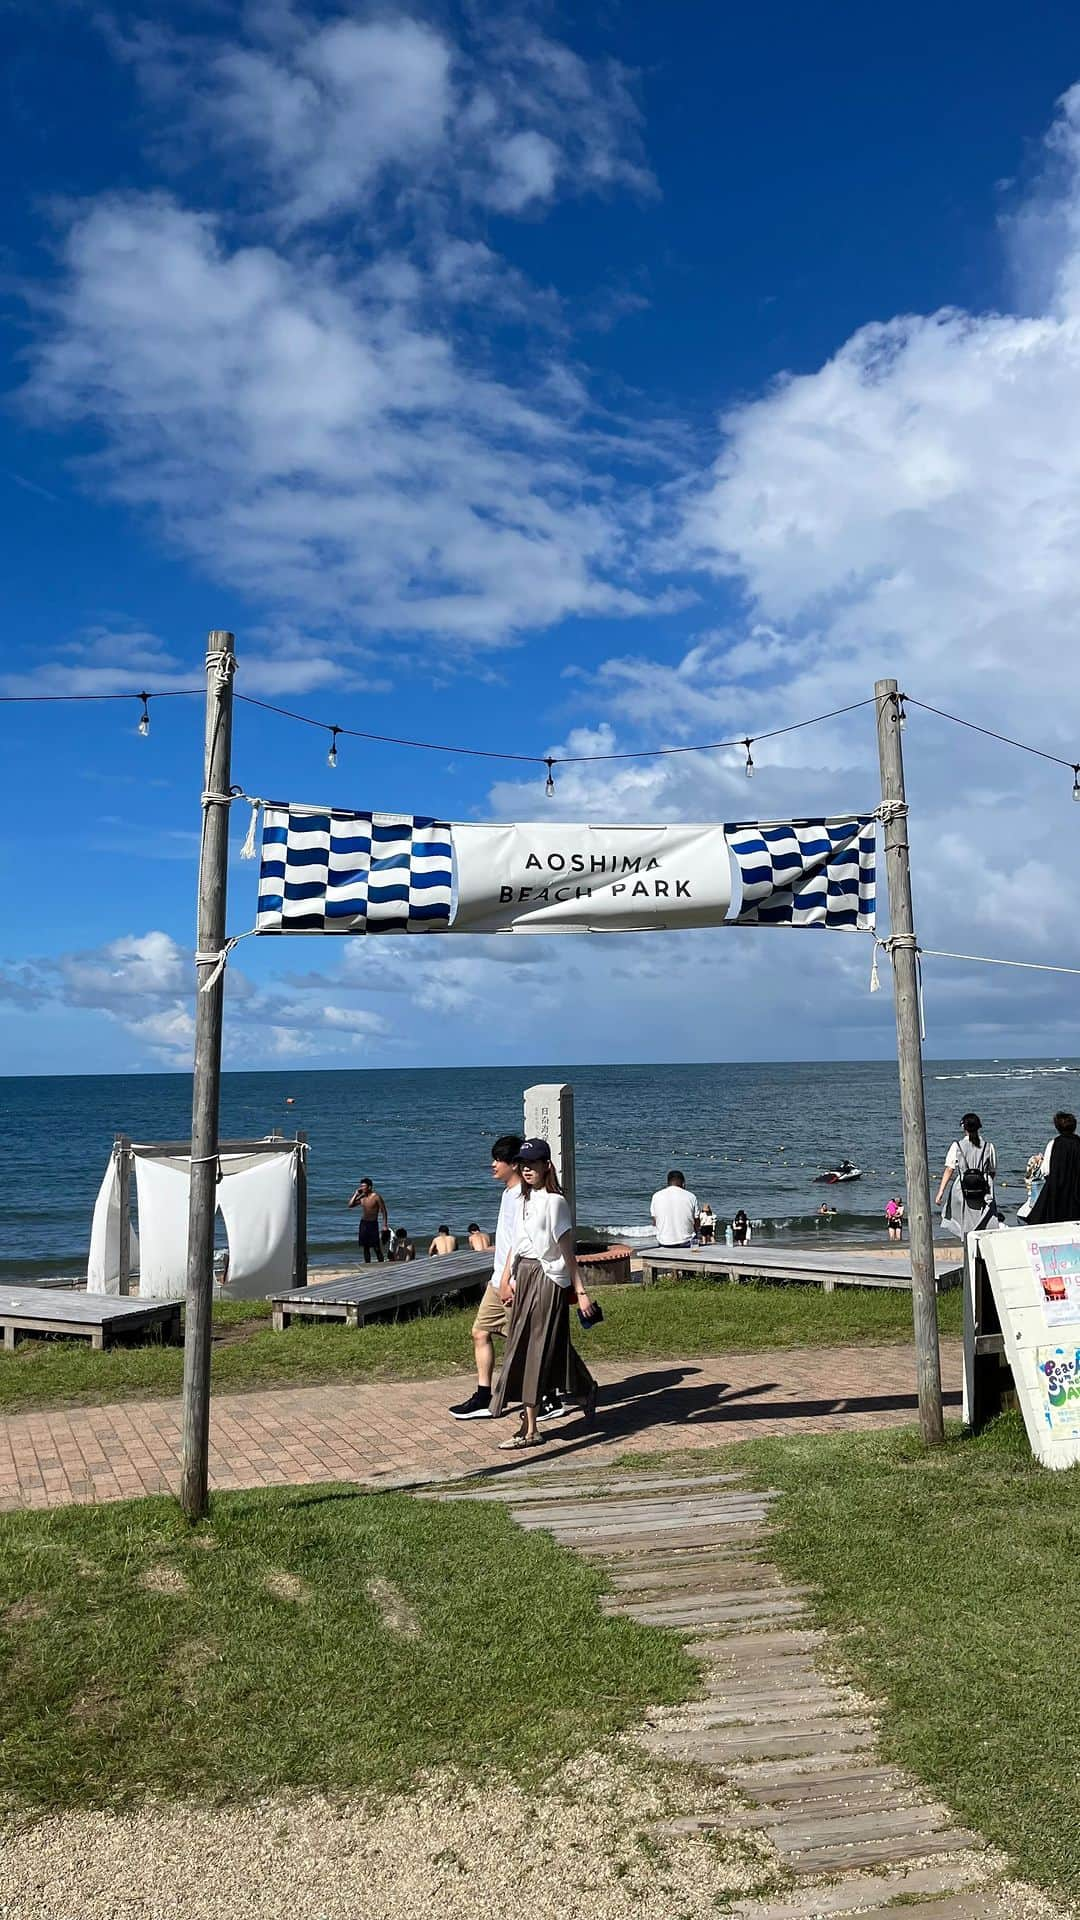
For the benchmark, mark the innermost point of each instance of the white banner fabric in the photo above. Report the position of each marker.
(547, 877)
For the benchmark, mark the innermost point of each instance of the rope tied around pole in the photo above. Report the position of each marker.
(905, 942)
(891, 810)
(221, 662)
(219, 960)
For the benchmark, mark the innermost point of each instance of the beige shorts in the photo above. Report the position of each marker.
(491, 1315)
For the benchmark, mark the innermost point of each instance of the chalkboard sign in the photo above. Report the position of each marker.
(1033, 1326)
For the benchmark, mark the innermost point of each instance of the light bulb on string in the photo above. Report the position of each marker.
(144, 717)
(549, 784)
(749, 768)
(1076, 782)
(901, 711)
(331, 758)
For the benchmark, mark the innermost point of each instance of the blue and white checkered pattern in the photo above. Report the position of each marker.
(327, 871)
(807, 873)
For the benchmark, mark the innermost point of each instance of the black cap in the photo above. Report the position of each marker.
(533, 1150)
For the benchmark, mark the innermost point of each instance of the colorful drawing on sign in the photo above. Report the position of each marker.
(1057, 1269)
(1059, 1369)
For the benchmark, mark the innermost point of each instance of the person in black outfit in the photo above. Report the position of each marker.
(1060, 1196)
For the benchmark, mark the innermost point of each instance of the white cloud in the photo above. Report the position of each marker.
(325, 114)
(135, 967)
(319, 446)
(325, 118)
(336, 427)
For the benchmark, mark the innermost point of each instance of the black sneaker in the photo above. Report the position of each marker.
(553, 1407)
(476, 1407)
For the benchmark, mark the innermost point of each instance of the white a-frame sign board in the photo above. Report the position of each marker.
(1034, 1275)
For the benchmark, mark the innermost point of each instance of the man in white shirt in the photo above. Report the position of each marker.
(494, 1312)
(674, 1212)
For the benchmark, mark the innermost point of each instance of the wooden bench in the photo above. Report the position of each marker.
(804, 1264)
(98, 1317)
(383, 1289)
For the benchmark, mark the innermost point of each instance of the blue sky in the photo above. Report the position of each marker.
(508, 380)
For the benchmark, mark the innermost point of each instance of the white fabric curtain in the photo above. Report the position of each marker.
(103, 1264)
(256, 1197)
(163, 1227)
(258, 1205)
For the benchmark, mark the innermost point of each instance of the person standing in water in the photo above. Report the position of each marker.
(543, 1269)
(372, 1210)
(894, 1218)
(968, 1181)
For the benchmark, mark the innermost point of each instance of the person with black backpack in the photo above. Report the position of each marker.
(968, 1180)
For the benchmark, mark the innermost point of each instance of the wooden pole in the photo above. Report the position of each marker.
(300, 1261)
(206, 1080)
(122, 1150)
(909, 1059)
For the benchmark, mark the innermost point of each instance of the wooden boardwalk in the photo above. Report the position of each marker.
(383, 1288)
(98, 1317)
(852, 1833)
(807, 1264)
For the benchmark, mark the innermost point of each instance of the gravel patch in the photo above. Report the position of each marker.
(578, 1846)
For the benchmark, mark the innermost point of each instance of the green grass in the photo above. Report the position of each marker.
(215, 1687)
(953, 1576)
(668, 1321)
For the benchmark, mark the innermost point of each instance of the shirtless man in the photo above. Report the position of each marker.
(372, 1210)
(443, 1242)
(479, 1241)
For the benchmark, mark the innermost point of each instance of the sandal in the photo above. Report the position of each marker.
(520, 1441)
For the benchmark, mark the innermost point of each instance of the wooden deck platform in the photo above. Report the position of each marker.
(98, 1317)
(382, 1289)
(806, 1264)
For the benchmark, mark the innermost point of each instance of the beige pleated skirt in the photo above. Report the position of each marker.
(539, 1356)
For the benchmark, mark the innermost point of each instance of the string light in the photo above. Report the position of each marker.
(903, 701)
(549, 785)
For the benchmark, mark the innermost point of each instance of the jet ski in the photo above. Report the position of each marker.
(837, 1175)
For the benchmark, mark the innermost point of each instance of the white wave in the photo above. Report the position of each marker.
(1010, 1073)
(629, 1233)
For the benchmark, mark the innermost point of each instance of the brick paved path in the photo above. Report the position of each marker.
(400, 1430)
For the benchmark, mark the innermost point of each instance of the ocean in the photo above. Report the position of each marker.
(745, 1136)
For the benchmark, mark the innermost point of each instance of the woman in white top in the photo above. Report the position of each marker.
(543, 1271)
(968, 1180)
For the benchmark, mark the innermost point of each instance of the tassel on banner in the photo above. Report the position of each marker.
(875, 982)
(247, 851)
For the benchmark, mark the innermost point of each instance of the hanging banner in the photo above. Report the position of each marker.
(807, 873)
(546, 877)
(328, 870)
(325, 870)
